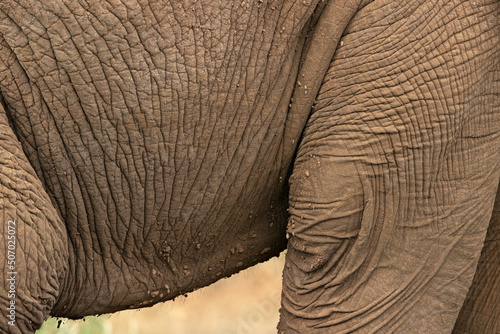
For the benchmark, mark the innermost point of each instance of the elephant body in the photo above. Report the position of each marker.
(149, 148)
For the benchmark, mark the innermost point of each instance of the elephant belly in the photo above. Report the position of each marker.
(156, 130)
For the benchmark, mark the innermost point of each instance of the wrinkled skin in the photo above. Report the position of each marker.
(480, 312)
(149, 148)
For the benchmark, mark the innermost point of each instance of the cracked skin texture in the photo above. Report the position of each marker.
(146, 148)
(153, 136)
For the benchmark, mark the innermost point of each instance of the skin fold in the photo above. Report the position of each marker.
(150, 148)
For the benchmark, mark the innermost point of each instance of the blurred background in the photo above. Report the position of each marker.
(245, 303)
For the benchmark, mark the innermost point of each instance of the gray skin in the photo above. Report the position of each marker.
(149, 148)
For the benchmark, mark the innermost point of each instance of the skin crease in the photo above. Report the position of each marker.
(146, 149)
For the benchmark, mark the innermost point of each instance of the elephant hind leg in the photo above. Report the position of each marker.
(33, 241)
(405, 130)
(481, 310)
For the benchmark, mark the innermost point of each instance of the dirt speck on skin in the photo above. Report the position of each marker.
(265, 250)
(186, 271)
(165, 253)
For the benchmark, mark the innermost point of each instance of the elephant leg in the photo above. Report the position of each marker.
(481, 310)
(33, 241)
(395, 177)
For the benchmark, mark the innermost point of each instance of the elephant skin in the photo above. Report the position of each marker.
(149, 148)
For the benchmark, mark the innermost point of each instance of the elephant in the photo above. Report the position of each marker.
(149, 148)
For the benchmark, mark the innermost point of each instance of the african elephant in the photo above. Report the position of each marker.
(149, 148)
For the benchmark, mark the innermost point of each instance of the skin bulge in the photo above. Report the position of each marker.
(156, 129)
(396, 173)
(29, 223)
